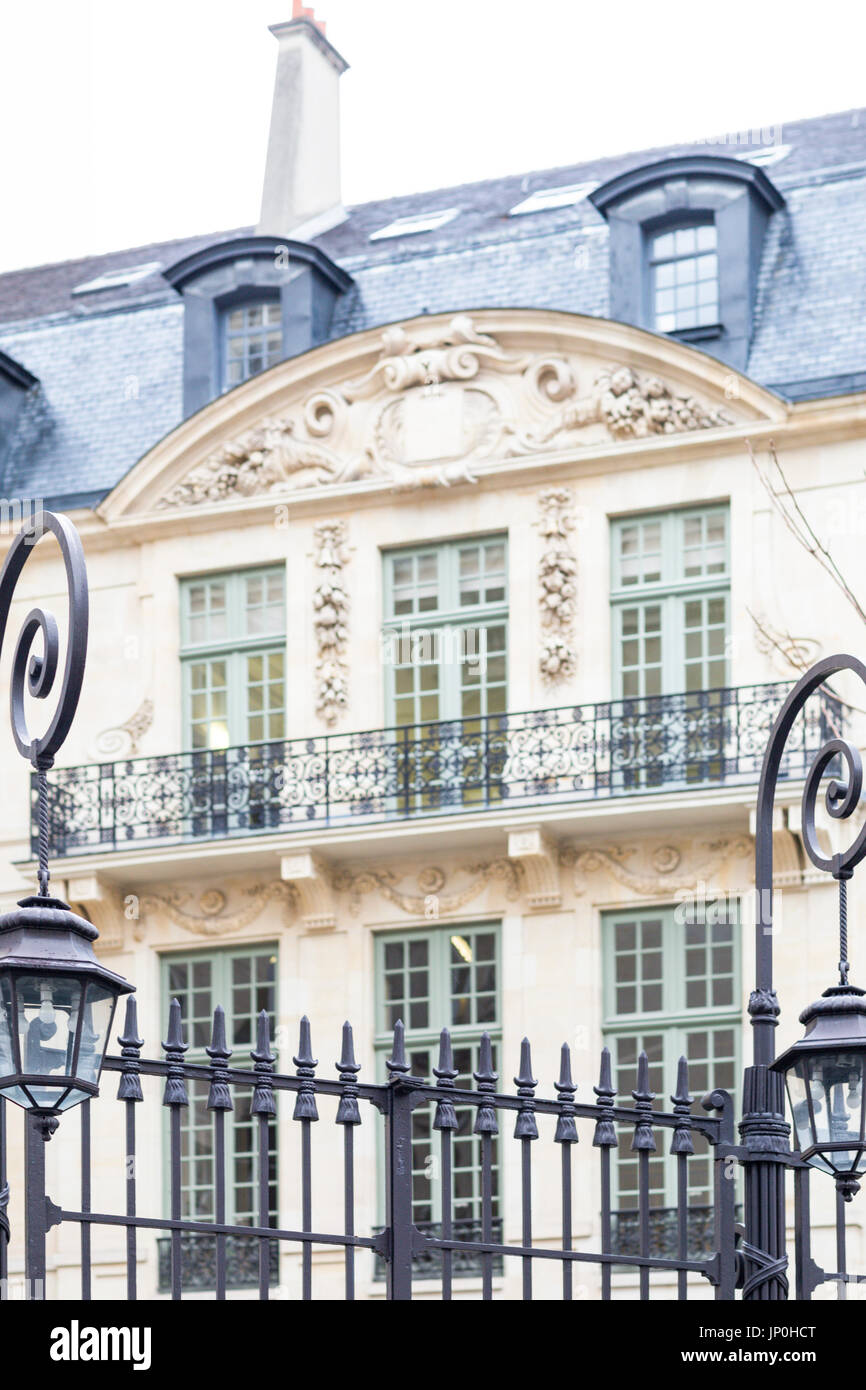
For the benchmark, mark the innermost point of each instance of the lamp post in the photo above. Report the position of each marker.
(834, 1048)
(57, 1001)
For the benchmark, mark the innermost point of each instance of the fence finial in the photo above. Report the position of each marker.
(219, 1095)
(643, 1104)
(681, 1140)
(264, 1102)
(605, 1134)
(486, 1077)
(347, 1107)
(446, 1075)
(525, 1126)
(396, 1063)
(174, 1048)
(129, 1087)
(305, 1063)
(566, 1128)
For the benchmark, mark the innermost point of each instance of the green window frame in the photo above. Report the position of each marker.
(671, 987)
(670, 602)
(449, 976)
(233, 658)
(445, 631)
(244, 981)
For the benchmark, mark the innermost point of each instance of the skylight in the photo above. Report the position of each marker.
(418, 222)
(772, 154)
(116, 279)
(546, 199)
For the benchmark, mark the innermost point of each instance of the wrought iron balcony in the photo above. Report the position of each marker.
(198, 1262)
(572, 753)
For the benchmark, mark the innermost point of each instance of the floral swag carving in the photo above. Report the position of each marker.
(430, 405)
(330, 620)
(429, 901)
(209, 916)
(658, 875)
(557, 581)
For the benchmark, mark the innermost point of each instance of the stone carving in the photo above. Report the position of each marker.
(557, 580)
(211, 918)
(123, 740)
(633, 407)
(537, 855)
(660, 876)
(330, 620)
(434, 401)
(429, 902)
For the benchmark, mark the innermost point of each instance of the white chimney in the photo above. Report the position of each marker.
(301, 194)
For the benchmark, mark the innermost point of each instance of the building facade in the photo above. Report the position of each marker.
(445, 585)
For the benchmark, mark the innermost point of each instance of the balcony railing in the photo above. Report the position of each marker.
(569, 754)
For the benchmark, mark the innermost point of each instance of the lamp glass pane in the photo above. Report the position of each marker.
(48, 1008)
(798, 1098)
(8, 1062)
(96, 1023)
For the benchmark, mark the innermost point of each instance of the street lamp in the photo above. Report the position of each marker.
(824, 1071)
(56, 1000)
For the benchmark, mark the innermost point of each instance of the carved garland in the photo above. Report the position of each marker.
(664, 860)
(429, 901)
(557, 581)
(330, 620)
(211, 919)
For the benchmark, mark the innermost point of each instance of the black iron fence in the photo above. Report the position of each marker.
(217, 1254)
(570, 753)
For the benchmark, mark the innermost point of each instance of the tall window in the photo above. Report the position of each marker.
(252, 340)
(671, 988)
(684, 272)
(670, 596)
(450, 978)
(445, 631)
(233, 632)
(244, 982)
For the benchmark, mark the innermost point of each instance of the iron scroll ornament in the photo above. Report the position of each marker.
(40, 671)
(841, 800)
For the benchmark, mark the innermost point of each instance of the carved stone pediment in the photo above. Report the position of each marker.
(429, 402)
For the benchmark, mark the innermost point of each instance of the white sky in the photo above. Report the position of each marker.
(127, 122)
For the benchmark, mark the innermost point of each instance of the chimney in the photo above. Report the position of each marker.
(301, 193)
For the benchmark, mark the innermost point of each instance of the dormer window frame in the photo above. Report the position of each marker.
(304, 280)
(243, 299)
(737, 196)
(673, 222)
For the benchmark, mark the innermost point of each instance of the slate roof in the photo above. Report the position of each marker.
(109, 364)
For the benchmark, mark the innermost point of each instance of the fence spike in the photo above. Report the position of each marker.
(486, 1078)
(643, 1104)
(681, 1141)
(605, 1133)
(446, 1075)
(219, 1096)
(525, 1126)
(566, 1128)
(264, 1102)
(129, 1087)
(174, 1048)
(305, 1064)
(347, 1107)
(396, 1063)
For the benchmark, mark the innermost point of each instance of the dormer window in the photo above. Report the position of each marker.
(249, 303)
(686, 236)
(684, 275)
(252, 340)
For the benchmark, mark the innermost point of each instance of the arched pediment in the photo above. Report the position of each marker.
(440, 400)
